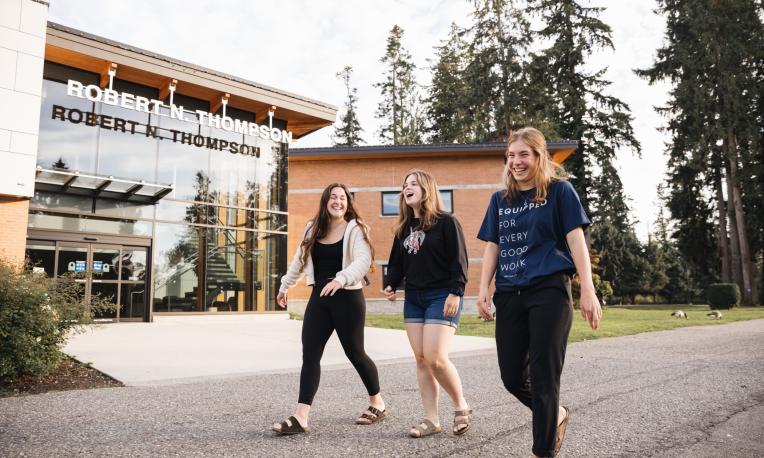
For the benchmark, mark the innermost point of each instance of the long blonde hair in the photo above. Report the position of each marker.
(547, 171)
(430, 208)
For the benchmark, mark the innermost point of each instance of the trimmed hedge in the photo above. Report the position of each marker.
(723, 295)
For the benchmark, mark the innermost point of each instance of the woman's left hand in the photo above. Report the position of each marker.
(590, 308)
(451, 307)
(331, 288)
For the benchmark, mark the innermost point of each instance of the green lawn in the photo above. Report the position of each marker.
(616, 321)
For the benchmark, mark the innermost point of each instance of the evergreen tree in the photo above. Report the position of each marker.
(401, 108)
(348, 132)
(579, 106)
(713, 57)
(445, 104)
(496, 86)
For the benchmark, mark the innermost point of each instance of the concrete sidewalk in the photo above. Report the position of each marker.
(189, 348)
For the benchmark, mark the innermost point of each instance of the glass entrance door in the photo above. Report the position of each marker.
(115, 272)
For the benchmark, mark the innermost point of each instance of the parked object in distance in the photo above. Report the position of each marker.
(714, 315)
(679, 314)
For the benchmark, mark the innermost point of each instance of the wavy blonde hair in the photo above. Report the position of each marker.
(547, 171)
(430, 208)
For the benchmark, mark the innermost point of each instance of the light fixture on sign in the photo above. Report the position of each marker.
(112, 71)
(271, 112)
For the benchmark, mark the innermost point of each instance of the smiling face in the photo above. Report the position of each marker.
(522, 163)
(412, 192)
(337, 204)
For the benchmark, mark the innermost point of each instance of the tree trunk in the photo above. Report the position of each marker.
(737, 202)
(723, 240)
(735, 267)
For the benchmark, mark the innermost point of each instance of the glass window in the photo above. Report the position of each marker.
(130, 151)
(42, 255)
(448, 200)
(177, 268)
(66, 139)
(184, 165)
(61, 202)
(390, 203)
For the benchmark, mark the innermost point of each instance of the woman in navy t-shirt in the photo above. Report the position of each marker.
(535, 242)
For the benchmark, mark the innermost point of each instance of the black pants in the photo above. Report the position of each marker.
(344, 312)
(532, 327)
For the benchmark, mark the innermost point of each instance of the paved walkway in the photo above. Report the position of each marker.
(690, 392)
(188, 348)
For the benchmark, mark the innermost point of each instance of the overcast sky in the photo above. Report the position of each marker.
(299, 46)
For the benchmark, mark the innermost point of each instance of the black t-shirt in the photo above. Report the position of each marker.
(432, 259)
(327, 260)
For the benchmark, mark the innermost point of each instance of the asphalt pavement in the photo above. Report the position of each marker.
(688, 392)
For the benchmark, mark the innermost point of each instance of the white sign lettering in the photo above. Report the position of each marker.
(94, 93)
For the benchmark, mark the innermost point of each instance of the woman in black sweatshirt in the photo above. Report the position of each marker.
(429, 253)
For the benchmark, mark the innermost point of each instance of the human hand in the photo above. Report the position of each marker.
(484, 303)
(389, 294)
(590, 308)
(331, 288)
(281, 300)
(451, 306)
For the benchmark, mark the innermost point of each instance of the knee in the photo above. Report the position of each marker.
(355, 355)
(421, 362)
(514, 383)
(435, 363)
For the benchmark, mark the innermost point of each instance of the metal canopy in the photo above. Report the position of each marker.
(107, 187)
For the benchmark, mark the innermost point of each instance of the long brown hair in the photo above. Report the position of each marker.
(321, 220)
(547, 171)
(430, 208)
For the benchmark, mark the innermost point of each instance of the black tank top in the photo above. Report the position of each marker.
(327, 260)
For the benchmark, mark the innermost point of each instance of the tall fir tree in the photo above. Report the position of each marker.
(446, 110)
(713, 57)
(401, 109)
(348, 132)
(496, 86)
(578, 105)
(580, 108)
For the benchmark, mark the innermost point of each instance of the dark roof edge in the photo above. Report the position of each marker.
(425, 148)
(171, 60)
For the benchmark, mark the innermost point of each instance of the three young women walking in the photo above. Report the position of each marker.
(334, 255)
(535, 242)
(429, 254)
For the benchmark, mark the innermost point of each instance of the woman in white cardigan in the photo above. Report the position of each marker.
(334, 255)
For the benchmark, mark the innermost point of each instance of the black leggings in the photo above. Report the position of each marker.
(532, 328)
(345, 312)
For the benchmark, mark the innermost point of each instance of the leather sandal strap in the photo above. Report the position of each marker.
(462, 413)
(374, 410)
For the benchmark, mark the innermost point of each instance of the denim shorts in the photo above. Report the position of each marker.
(426, 306)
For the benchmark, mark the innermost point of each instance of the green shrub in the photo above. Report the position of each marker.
(37, 314)
(723, 295)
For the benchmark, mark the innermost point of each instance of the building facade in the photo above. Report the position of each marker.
(467, 175)
(156, 183)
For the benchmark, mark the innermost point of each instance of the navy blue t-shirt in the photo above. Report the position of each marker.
(531, 236)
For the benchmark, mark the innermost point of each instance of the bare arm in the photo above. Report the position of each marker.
(487, 271)
(590, 305)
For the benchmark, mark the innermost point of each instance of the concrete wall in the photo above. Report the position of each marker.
(22, 50)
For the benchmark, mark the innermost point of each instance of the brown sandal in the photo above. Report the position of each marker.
(374, 416)
(290, 426)
(561, 428)
(458, 430)
(428, 429)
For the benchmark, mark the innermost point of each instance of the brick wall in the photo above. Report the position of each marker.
(472, 181)
(13, 214)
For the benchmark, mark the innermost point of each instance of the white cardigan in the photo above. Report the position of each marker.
(356, 260)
